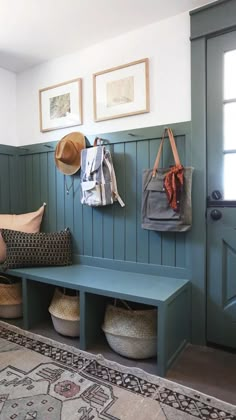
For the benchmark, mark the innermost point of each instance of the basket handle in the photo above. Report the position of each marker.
(6, 278)
(76, 291)
(124, 303)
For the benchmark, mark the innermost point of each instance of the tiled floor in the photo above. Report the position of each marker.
(206, 369)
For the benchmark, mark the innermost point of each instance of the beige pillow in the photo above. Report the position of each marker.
(27, 222)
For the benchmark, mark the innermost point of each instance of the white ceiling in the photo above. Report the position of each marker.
(34, 31)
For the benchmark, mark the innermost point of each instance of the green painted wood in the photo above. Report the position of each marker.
(98, 281)
(155, 238)
(212, 19)
(97, 233)
(179, 324)
(119, 212)
(20, 186)
(43, 177)
(134, 267)
(50, 197)
(93, 315)
(60, 200)
(5, 184)
(111, 233)
(94, 285)
(197, 237)
(78, 218)
(130, 167)
(108, 232)
(37, 297)
(142, 235)
(88, 230)
(221, 302)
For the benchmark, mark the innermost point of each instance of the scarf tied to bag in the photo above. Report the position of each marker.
(173, 183)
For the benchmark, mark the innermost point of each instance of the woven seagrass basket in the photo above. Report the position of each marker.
(131, 333)
(65, 313)
(10, 298)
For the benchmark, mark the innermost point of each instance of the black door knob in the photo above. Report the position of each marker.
(216, 214)
(216, 195)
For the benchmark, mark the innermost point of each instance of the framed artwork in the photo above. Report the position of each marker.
(60, 105)
(121, 91)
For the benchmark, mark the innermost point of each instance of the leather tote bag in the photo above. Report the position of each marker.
(166, 194)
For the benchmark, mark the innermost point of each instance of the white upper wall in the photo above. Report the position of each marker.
(167, 46)
(8, 107)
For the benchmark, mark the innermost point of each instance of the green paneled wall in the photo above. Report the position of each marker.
(109, 236)
(9, 191)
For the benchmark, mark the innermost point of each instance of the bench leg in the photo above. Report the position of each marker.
(161, 340)
(36, 300)
(173, 329)
(92, 309)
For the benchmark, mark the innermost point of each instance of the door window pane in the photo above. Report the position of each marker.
(230, 126)
(230, 176)
(230, 75)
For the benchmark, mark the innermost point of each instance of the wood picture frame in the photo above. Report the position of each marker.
(121, 91)
(60, 105)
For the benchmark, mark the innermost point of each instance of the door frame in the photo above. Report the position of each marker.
(211, 20)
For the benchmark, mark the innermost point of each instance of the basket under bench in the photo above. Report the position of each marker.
(170, 295)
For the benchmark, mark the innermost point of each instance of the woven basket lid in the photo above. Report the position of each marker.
(64, 306)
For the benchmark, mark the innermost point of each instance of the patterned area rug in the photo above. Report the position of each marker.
(44, 380)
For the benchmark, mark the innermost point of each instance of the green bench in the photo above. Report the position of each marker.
(171, 296)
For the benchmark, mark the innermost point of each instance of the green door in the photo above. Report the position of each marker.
(221, 179)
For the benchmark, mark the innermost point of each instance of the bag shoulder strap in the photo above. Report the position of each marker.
(173, 148)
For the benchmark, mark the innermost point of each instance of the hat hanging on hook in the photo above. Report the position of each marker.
(67, 153)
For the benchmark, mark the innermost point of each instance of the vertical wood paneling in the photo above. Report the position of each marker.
(155, 238)
(142, 235)
(180, 250)
(97, 240)
(43, 173)
(68, 200)
(13, 189)
(111, 232)
(4, 184)
(130, 201)
(78, 218)
(88, 230)
(119, 212)
(51, 200)
(36, 183)
(168, 239)
(20, 206)
(29, 182)
(108, 232)
(60, 195)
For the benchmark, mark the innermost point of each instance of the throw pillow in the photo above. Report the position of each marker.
(27, 222)
(37, 249)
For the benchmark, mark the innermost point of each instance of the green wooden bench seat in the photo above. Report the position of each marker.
(171, 296)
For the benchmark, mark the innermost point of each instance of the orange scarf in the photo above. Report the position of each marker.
(173, 183)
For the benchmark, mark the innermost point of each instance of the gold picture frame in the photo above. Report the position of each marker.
(60, 105)
(121, 91)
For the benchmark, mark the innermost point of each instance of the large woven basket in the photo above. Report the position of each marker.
(65, 313)
(131, 333)
(10, 298)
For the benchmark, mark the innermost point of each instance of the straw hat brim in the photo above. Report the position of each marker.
(70, 169)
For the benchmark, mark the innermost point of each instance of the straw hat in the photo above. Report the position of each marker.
(67, 153)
